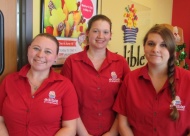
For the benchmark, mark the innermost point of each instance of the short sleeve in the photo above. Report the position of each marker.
(70, 103)
(126, 67)
(66, 69)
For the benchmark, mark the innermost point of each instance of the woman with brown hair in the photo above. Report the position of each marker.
(154, 99)
(96, 74)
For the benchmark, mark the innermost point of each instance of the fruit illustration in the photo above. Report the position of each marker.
(49, 29)
(64, 18)
(56, 20)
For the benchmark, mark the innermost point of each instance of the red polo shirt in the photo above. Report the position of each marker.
(96, 90)
(148, 112)
(42, 113)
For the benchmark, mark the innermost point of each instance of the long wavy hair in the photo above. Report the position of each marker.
(169, 40)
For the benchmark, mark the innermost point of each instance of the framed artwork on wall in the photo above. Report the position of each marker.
(1, 42)
(67, 20)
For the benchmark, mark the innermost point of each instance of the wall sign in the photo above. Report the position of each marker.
(131, 21)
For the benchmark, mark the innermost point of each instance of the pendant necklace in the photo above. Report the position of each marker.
(35, 87)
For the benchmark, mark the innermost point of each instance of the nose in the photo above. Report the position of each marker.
(40, 53)
(156, 48)
(100, 34)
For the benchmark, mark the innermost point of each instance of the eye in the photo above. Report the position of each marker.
(36, 48)
(95, 31)
(151, 43)
(48, 52)
(106, 32)
(163, 45)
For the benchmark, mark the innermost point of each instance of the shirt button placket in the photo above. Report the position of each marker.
(155, 129)
(99, 114)
(98, 76)
(155, 116)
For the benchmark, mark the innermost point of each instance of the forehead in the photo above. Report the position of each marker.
(41, 39)
(44, 41)
(102, 23)
(155, 37)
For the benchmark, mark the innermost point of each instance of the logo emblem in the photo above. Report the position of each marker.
(177, 104)
(114, 77)
(51, 99)
(52, 95)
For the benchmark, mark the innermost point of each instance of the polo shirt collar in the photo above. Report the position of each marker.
(83, 56)
(144, 72)
(53, 75)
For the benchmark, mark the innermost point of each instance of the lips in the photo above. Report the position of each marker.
(39, 61)
(99, 41)
(153, 55)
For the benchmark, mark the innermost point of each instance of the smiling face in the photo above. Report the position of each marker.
(156, 51)
(42, 53)
(99, 34)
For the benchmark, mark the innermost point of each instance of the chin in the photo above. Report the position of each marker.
(155, 62)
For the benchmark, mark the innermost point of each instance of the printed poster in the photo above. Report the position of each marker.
(67, 20)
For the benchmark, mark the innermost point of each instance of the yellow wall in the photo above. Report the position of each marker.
(36, 17)
(148, 12)
(159, 11)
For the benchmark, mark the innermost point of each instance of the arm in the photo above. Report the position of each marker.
(81, 130)
(3, 129)
(124, 127)
(68, 128)
(114, 129)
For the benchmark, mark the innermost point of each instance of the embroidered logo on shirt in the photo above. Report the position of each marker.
(177, 103)
(51, 99)
(114, 77)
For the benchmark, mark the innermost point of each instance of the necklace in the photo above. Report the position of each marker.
(35, 87)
